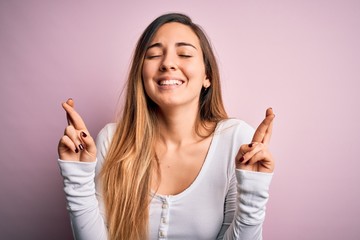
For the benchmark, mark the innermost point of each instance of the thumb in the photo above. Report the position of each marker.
(89, 147)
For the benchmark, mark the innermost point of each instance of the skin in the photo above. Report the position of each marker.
(75, 134)
(256, 156)
(174, 53)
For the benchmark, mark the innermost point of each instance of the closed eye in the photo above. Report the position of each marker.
(152, 56)
(185, 55)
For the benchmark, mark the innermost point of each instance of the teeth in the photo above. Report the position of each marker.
(170, 82)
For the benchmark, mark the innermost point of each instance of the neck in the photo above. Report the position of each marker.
(177, 126)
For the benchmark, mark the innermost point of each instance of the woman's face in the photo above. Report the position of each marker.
(173, 70)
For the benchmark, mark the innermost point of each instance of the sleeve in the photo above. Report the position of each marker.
(249, 202)
(82, 205)
(83, 193)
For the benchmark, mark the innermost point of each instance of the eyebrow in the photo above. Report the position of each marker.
(178, 44)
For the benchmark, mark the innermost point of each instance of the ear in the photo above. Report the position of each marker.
(206, 83)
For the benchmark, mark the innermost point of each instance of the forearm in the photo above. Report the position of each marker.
(251, 199)
(79, 186)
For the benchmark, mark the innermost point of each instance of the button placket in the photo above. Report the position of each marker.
(164, 218)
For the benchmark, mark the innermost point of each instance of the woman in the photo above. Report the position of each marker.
(174, 166)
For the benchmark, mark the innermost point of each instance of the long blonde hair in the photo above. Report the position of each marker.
(131, 162)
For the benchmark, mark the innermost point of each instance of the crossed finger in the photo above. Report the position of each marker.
(256, 149)
(73, 135)
(263, 132)
(70, 102)
(245, 148)
(72, 116)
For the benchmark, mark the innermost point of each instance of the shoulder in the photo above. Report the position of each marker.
(235, 129)
(229, 135)
(104, 139)
(107, 132)
(233, 124)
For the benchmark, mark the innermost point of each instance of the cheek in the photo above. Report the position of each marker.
(146, 75)
(196, 71)
(145, 71)
(149, 68)
(148, 86)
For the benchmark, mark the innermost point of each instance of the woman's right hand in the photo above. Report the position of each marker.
(76, 144)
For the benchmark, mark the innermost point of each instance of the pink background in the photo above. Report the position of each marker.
(300, 57)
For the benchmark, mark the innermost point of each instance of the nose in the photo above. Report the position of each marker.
(168, 64)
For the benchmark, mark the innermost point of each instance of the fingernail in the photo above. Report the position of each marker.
(83, 135)
(76, 150)
(250, 145)
(81, 147)
(241, 159)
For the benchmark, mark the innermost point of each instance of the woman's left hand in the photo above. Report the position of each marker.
(256, 156)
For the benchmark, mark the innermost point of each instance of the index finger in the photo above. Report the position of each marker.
(73, 117)
(70, 101)
(268, 132)
(263, 132)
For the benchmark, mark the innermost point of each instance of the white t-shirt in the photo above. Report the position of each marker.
(221, 203)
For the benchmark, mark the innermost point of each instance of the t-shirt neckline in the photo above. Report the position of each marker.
(202, 171)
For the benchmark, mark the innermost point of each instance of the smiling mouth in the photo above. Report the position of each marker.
(171, 82)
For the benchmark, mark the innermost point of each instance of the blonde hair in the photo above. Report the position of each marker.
(131, 160)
